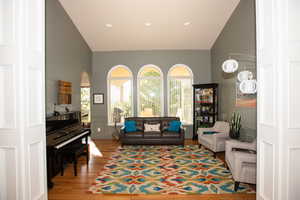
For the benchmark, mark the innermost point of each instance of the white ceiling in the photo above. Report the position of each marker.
(128, 18)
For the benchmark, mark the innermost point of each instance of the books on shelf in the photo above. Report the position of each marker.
(205, 106)
(205, 119)
(204, 95)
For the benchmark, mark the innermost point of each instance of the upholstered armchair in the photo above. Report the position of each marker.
(214, 142)
(240, 158)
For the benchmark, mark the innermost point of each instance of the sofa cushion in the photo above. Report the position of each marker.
(164, 124)
(152, 135)
(139, 124)
(170, 134)
(151, 127)
(174, 126)
(130, 126)
(151, 121)
(136, 134)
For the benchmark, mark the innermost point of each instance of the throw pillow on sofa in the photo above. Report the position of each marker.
(174, 126)
(152, 127)
(130, 126)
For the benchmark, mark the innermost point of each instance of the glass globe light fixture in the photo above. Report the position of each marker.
(245, 75)
(230, 66)
(248, 86)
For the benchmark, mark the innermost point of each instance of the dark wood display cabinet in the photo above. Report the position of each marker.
(205, 106)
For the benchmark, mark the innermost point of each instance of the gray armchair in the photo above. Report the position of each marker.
(214, 142)
(240, 158)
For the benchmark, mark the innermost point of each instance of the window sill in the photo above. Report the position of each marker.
(187, 124)
(119, 124)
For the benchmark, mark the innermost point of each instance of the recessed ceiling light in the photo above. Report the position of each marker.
(108, 25)
(148, 24)
(187, 23)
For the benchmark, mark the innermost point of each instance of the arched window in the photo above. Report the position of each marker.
(150, 91)
(119, 82)
(180, 93)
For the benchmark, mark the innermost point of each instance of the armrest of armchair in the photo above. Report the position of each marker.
(235, 144)
(244, 150)
(201, 130)
(221, 136)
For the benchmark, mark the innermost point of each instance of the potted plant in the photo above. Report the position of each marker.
(235, 126)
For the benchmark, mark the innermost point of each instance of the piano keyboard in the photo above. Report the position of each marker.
(70, 140)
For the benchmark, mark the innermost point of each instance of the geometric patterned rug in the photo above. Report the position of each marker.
(165, 170)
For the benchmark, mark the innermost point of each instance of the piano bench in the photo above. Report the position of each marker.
(73, 152)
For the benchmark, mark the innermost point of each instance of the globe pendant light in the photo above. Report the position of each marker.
(248, 87)
(230, 66)
(244, 75)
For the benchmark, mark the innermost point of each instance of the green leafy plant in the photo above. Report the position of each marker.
(235, 125)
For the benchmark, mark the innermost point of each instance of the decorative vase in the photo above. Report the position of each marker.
(234, 135)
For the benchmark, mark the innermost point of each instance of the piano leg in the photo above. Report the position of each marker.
(49, 170)
(87, 151)
(50, 184)
(62, 165)
(75, 165)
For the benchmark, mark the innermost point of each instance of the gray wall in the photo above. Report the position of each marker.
(238, 37)
(67, 54)
(197, 60)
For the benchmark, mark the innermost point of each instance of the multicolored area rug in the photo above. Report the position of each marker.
(165, 170)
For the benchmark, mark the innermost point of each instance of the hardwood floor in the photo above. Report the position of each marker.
(69, 187)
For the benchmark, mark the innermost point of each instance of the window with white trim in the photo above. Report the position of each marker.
(150, 91)
(85, 97)
(120, 104)
(85, 104)
(180, 93)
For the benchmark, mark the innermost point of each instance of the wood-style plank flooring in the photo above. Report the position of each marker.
(69, 187)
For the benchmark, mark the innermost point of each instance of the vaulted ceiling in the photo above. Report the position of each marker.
(110, 25)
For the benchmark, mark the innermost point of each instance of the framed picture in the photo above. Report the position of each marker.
(98, 98)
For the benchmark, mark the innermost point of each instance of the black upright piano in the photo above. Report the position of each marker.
(62, 131)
